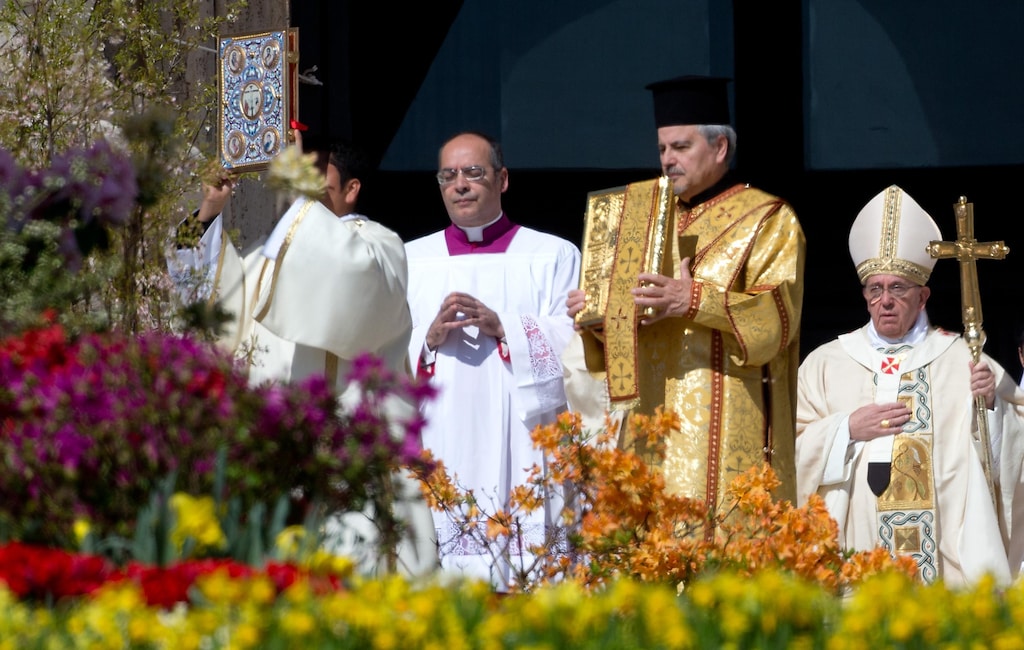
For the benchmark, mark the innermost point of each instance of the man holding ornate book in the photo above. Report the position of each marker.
(710, 328)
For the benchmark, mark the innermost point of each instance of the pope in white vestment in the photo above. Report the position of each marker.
(485, 273)
(887, 426)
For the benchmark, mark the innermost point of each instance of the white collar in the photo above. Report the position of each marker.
(912, 337)
(476, 233)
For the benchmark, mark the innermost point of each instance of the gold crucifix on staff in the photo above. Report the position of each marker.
(967, 250)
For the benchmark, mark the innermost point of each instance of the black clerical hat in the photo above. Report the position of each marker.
(690, 99)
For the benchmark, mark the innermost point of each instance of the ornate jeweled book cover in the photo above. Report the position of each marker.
(258, 97)
(625, 231)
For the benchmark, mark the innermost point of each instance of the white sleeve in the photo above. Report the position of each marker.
(838, 463)
(192, 270)
(536, 341)
(336, 286)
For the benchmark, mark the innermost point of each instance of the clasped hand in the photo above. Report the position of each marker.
(459, 310)
(983, 383)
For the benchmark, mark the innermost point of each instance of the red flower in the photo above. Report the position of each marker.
(48, 346)
(167, 586)
(282, 575)
(45, 573)
(207, 384)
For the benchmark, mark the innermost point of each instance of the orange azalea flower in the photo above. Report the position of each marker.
(525, 499)
(619, 520)
(499, 526)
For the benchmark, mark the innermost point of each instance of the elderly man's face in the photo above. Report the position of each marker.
(693, 163)
(894, 303)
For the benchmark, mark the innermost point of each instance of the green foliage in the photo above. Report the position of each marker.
(251, 535)
(152, 542)
(27, 289)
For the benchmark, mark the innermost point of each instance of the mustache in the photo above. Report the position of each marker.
(675, 170)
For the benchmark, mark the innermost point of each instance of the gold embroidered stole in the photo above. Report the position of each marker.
(263, 302)
(625, 234)
(265, 307)
(906, 509)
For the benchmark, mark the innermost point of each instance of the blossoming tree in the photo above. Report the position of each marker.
(77, 72)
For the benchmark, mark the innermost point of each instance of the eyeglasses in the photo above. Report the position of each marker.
(897, 291)
(472, 174)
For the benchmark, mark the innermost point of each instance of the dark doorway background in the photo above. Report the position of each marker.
(374, 57)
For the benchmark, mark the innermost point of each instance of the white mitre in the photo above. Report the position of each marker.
(891, 235)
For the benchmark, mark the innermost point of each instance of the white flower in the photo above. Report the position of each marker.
(295, 172)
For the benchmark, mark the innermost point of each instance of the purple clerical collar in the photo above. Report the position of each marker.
(497, 237)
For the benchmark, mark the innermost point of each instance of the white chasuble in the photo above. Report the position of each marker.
(337, 285)
(936, 506)
(318, 293)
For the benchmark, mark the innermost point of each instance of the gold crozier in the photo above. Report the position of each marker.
(967, 250)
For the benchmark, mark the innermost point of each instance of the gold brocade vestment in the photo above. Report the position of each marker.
(728, 367)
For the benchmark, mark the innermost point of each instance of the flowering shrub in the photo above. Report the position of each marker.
(81, 186)
(294, 172)
(620, 522)
(51, 219)
(90, 426)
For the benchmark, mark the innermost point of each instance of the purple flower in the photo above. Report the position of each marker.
(85, 190)
(111, 192)
(12, 177)
(70, 448)
(96, 427)
(94, 183)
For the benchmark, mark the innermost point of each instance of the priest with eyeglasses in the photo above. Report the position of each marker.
(489, 325)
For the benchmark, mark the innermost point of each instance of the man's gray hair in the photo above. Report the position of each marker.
(712, 132)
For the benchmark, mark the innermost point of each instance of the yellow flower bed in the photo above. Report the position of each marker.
(769, 610)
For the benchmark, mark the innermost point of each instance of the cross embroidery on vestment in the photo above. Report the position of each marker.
(890, 365)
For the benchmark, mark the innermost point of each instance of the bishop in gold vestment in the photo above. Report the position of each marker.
(722, 347)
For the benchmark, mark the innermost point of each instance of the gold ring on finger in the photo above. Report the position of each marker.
(885, 423)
